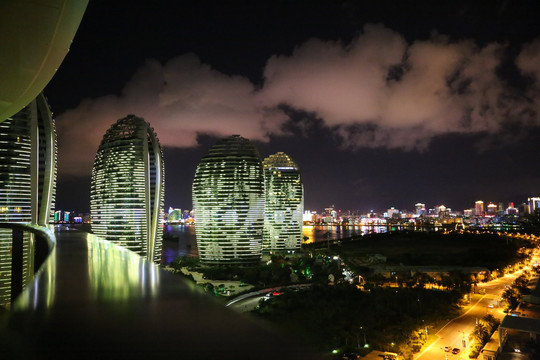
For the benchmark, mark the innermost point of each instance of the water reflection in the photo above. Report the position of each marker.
(313, 234)
(116, 273)
(178, 240)
(43, 291)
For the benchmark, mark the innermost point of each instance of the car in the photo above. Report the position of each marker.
(273, 293)
(490, 306)
(447, 348)
(455, 351)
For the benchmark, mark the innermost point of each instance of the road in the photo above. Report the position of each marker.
(457, 330)
(249, 302)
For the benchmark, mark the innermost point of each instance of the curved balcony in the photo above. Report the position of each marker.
(94, 299)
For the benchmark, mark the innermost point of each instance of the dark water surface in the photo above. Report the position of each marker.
(180, 240)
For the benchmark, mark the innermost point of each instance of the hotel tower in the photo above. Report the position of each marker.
(228, 202)
(127, 188)
(27, 181)
(284, 204)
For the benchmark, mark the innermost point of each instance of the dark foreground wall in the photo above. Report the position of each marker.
(95, 300)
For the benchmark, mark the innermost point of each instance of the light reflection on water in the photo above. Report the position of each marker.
(179, 240)
(329, 232)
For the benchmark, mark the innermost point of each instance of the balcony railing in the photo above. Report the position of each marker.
(92, 299)
(42, 243)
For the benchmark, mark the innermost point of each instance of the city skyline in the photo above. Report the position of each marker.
(380, 105)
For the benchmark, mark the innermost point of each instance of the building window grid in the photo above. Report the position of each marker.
(284, 204)
(119, 207)
(228, 202)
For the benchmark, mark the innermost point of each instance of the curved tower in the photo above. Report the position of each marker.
(127, 189)
(284, 204)
(27, 180)
(228, 202)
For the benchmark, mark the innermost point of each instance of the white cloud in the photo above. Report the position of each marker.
(376, 91)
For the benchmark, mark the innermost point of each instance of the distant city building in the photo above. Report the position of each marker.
(309, 216)
(420, 209)
(479, 208)
(27, 180)
(534, 204)
(393, 213)
(228, 203)
(468, 212)
(328, 216)
(492, 209)
(127, 189)
(174, 215)
(87, 218)
(70, 217)
(511, 210)
(442, 211)
(284, 204)
(523, 209)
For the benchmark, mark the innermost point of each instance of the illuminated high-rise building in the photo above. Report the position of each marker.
(27, 181)
(284, 204)
(492, 209)
(534, 204)
(479, 208)
(127, 189)
(228, 203)
(442, 211)
(393, 213)
(420, 209)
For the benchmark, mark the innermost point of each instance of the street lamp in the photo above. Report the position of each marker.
(463, 338)
(364, 333)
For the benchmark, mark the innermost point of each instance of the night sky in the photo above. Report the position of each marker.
(381, 103)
